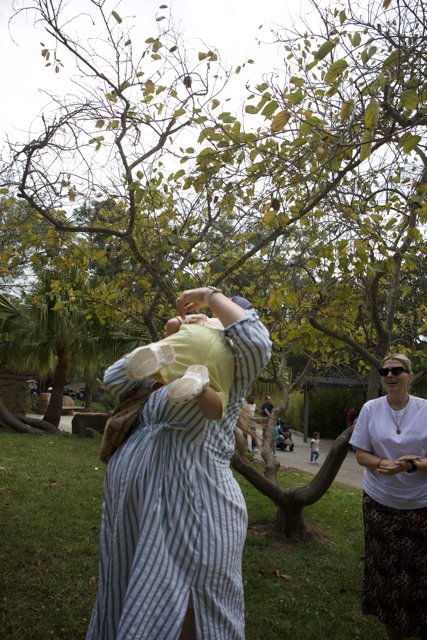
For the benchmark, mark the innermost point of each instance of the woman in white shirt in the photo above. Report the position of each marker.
(390, 438)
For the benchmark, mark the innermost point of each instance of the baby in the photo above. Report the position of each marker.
(193, 356)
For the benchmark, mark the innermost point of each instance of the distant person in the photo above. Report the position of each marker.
(267, 407)
(351, 416)
(315, 448)
(350, 421)
(287, 435)
(278, 437)
(284, 436)
(251, 411)
(266, 411)
(33, 388)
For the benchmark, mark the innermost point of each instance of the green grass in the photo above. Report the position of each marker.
(50, 501)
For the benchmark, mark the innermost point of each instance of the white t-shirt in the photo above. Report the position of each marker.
(375, 431)
(251, 409)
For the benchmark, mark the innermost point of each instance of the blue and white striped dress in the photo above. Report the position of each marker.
(174, 519)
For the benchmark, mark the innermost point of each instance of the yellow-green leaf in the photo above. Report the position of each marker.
(346, 111)
(324, 49)
(269, 109)
(14, 262)
(408, 142)
(366, 146)
(299, 82)
(337, 68)
(269, 216)
(116, 16)
(367, 54)
(296, 97)
(251, 108)
(138, 195)
(409, 99)
(392, 59)
(372, 113)
(356, 39)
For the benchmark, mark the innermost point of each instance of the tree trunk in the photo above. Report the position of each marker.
(40, 424)
(88, 393)
(290, 502)
(373, 384)
(290, 520)
(272, 465)
(54, 409)
(21, 423)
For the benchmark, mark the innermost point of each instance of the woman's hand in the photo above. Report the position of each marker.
(404, 461)
(191, 300)
(408, 458)
(391, 467)
(222, 307)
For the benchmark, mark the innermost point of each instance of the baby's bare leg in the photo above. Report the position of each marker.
(210, 404)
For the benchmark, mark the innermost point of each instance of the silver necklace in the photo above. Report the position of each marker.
(397, 425)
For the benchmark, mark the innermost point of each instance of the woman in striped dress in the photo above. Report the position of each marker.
(174, 519)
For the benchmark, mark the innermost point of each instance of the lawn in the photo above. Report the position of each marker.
(50, 501)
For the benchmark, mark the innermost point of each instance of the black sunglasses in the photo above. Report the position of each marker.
(396, 371)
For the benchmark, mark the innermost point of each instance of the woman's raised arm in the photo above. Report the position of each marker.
(221, 306)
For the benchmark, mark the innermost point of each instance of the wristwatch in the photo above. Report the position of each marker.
(209, 293)
(413, 466)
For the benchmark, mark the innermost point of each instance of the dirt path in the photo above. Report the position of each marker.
(350, 473)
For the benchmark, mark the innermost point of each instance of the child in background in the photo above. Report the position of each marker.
(252, 440)
(314, 447)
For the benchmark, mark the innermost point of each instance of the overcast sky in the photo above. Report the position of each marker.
(232, 26)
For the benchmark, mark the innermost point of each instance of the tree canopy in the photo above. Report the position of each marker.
(312, 204)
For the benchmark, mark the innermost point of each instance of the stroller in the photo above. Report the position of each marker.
(284, 438)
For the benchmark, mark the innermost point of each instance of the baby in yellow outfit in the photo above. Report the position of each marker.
(193, 355)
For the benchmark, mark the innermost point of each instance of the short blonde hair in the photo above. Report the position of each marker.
(401, 358)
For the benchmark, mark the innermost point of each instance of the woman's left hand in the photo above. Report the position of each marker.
(191, 300)
(404, 461)
(222, 307)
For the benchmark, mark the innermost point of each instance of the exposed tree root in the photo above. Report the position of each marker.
(23, 424)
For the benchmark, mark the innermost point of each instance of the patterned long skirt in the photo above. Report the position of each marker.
(395, 578)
